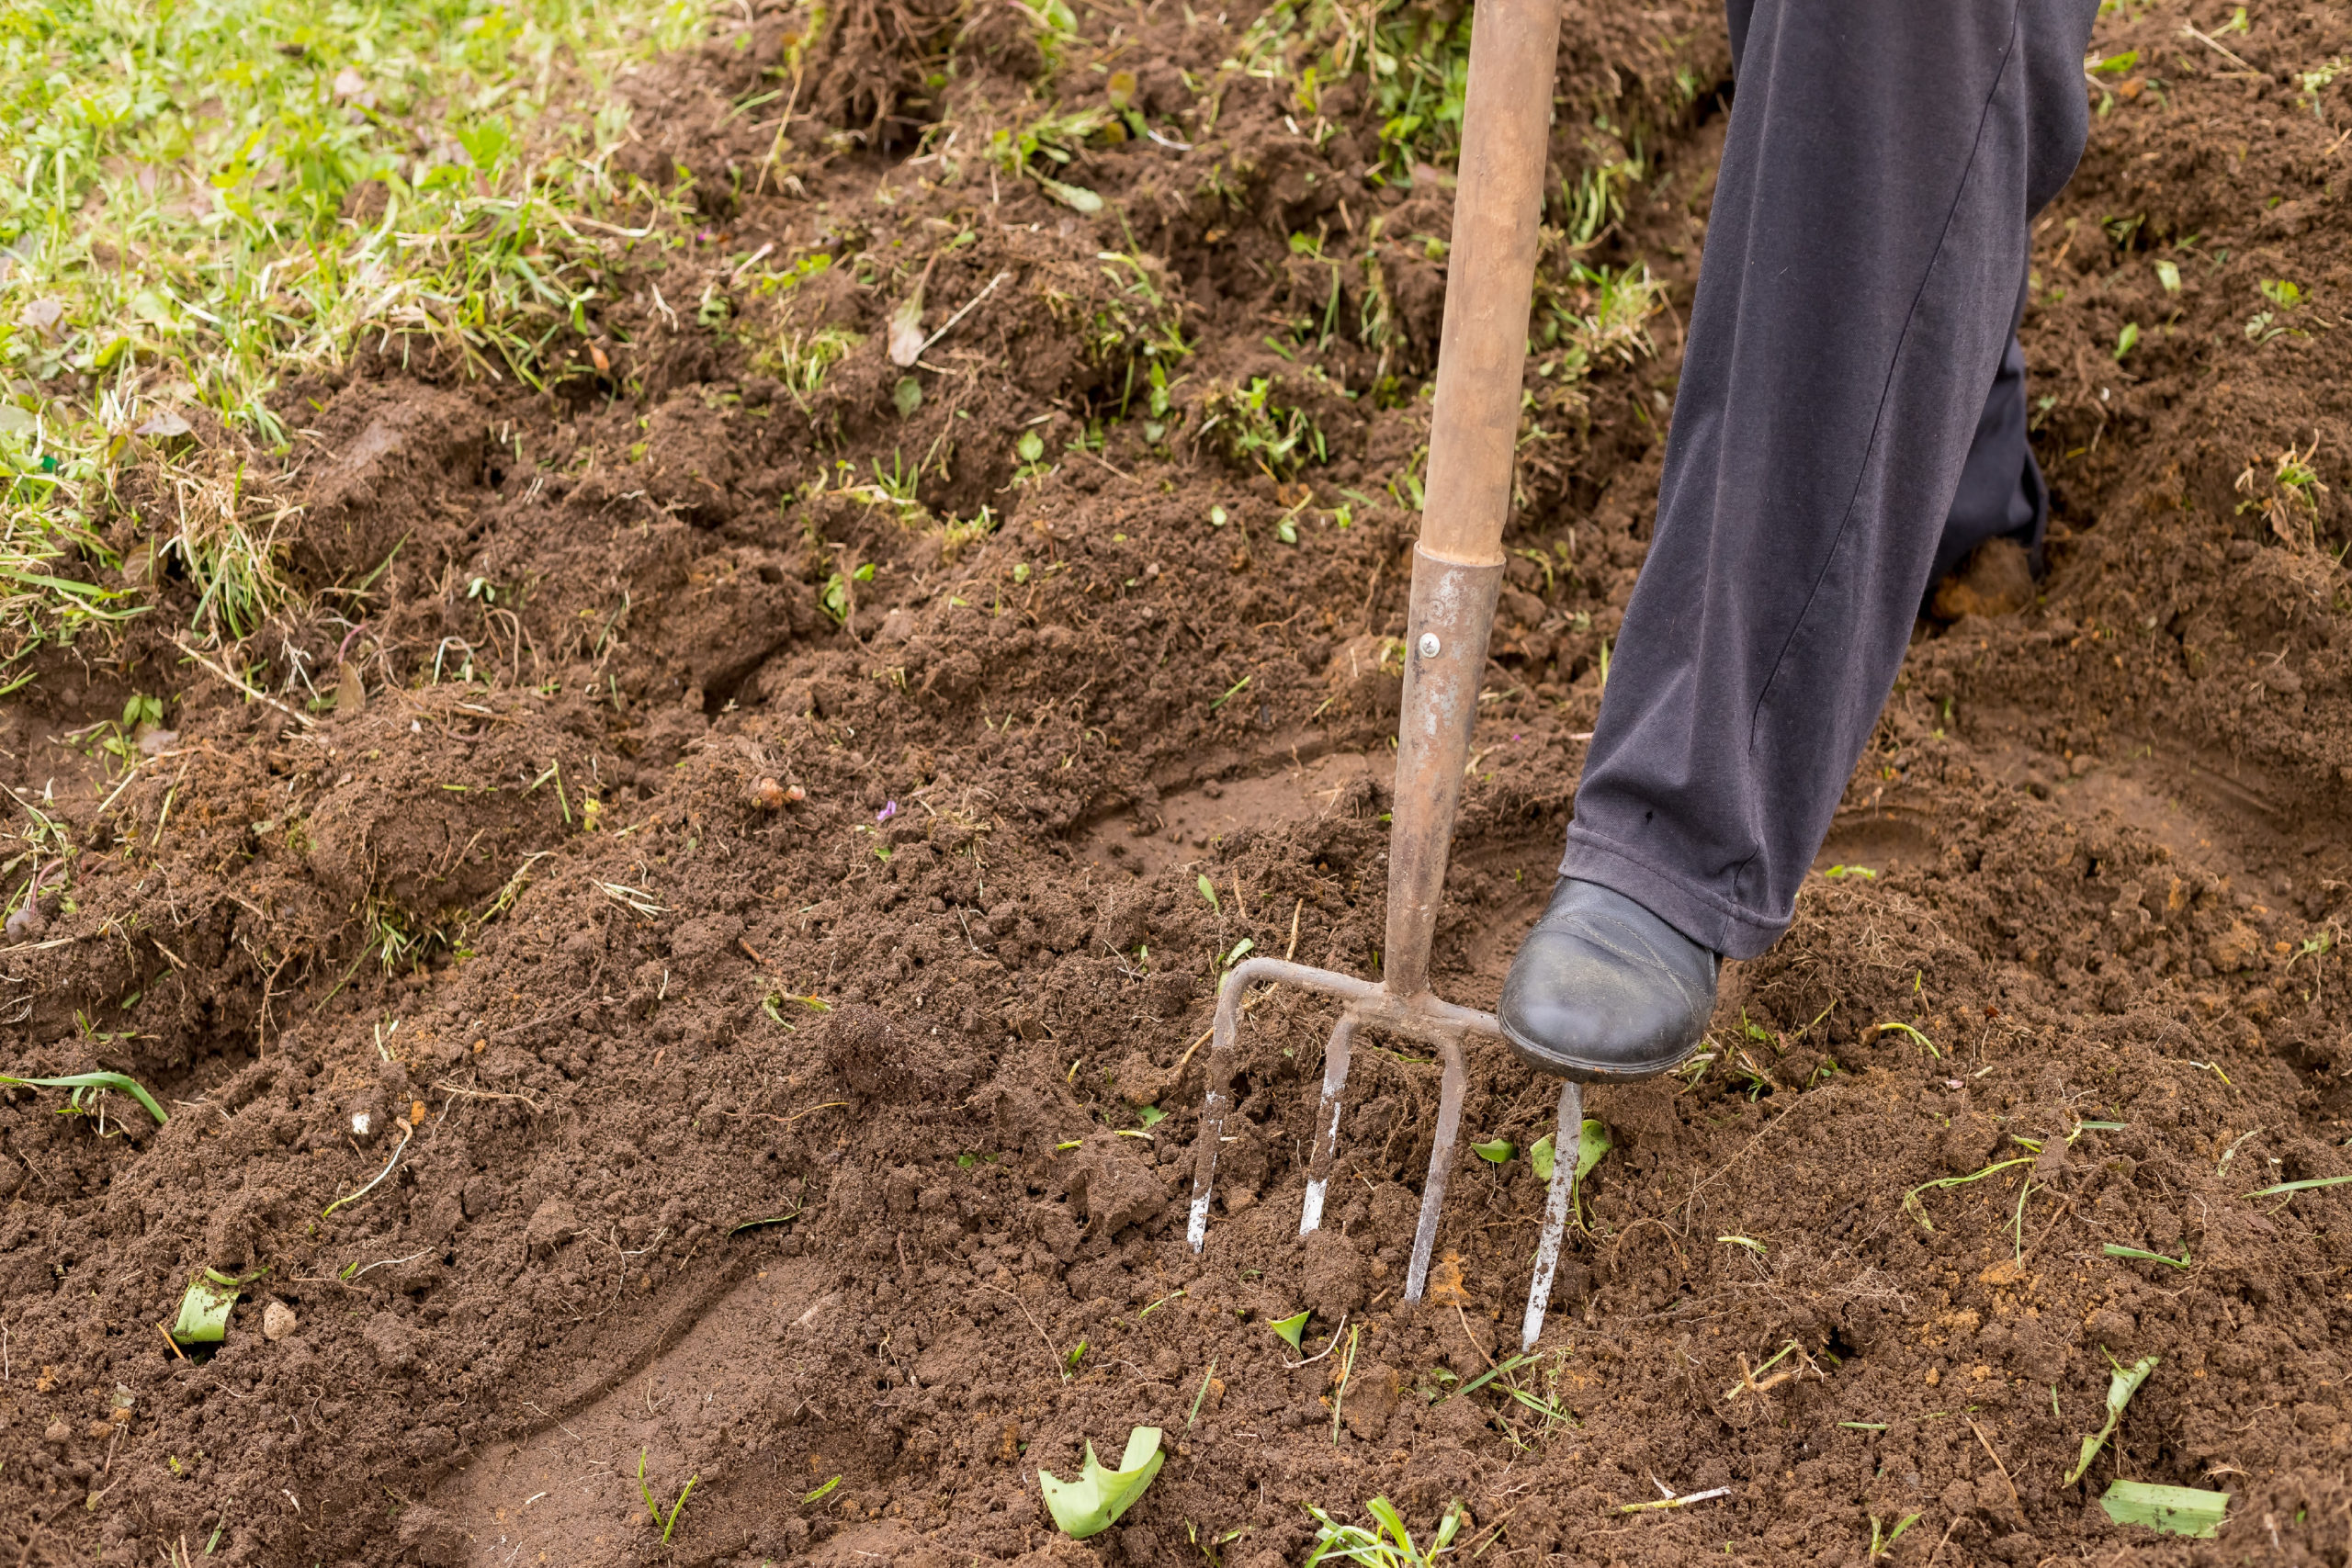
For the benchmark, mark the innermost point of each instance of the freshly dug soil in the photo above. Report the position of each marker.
(762, 910)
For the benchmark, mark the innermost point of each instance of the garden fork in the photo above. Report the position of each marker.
(1457, 574)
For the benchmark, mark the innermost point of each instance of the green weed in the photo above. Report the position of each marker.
(86, 1087)
(1595, 201)
(1258, 430)
(1055, 137)
(1598, 313)
(1387, 1544)
(1912, 1206)
(1882, 1540)
(800, 358)
(2319, 76)
(1418, 62)
(668, 1521)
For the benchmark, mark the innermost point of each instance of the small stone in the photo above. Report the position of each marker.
(277, 1320)
(58, 1432)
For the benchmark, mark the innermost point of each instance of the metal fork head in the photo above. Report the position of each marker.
(1422, 1017)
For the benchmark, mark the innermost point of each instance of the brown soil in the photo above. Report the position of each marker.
(660, 1205)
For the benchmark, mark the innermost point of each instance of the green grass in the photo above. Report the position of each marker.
(174, 184)
(1882, 1540)
(87, 1087)
(668, 1521)
(1917, 1211)
(1387, 1544)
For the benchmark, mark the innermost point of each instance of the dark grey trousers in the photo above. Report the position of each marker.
(1851, 420)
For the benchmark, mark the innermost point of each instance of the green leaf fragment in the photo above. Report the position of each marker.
(204, 1309)
(1592, 1142)
(2171, 1510)
(1494, 1152)
(2120, 1386)
(2313, 1183)
(80, 1082)
(1208, 891)
(2114, 1250)
(1918, 1212)
(1076, 198)
(1093, 1503)
(1292, 1330)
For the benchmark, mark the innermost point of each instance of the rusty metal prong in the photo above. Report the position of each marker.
(1557, 1200)
(1219, 1100)
(1327, 1121)
(1451, 1088)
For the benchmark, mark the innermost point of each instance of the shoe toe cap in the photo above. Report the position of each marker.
(1571, 1005)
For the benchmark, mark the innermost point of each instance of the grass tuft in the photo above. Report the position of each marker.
(668, 1521)
(1387, 1544)
(197, 199)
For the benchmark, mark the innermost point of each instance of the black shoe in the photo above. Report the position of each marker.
(1603, 991)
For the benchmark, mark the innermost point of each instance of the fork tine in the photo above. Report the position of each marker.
(1219, 1100)
(1451, 1090)
(1327, 1121)
(1556, 1210)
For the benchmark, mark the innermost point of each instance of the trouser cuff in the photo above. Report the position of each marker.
(1705, 916)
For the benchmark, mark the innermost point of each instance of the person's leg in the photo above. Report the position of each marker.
(1865, 255)
(2001, 493)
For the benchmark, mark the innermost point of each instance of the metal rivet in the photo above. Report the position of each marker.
(1429, 645)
